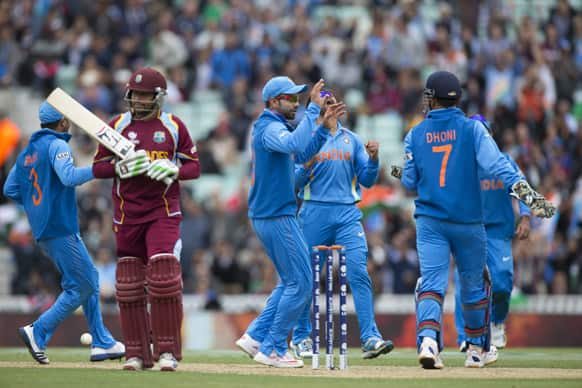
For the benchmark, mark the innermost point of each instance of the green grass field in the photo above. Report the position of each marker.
(532, 367)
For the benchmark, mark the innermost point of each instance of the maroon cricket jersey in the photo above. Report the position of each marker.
(141, 199)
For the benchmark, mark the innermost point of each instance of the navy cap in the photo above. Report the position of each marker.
(281, 85)
(48, 114)
(443, 84)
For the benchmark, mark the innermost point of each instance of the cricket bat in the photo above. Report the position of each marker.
(92, 125)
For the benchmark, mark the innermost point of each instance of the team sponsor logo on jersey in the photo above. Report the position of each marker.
(159, 137)
(63, 155)
(30, 159)
(346, 140)
(133, 137)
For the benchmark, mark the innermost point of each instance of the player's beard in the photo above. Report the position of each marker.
(144, 113)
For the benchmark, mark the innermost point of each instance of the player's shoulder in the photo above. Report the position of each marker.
(174, 117)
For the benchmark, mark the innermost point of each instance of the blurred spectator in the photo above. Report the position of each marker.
(524, 73)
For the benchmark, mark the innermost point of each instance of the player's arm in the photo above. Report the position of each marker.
(492, 161)
(61, 159)
(11, 187)
(187, 153)
(103, 163)
(366, 162)
(277, 137)
(301, 176)
(409, 171)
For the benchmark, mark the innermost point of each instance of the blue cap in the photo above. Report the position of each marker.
(281, 85)
(48, 114)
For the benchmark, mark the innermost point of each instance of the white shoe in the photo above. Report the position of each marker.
(112, 353)
(248, 345)
(429, 356)
(492, 355)
(27, 335)
(498, 337)
(287, 361)
(133, 363)
(475, 357)
(304, 349)
(168, 362)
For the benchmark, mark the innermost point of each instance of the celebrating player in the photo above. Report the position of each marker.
(147, 221)
(329, 186)
(43, 181)
(442, 156)
(272, 209)
(499, 226)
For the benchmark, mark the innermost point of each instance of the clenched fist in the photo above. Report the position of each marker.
(372, 149)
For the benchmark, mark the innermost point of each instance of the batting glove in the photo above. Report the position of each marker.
(396, 171)
(161, 169)
(539, 205)
(133, 165)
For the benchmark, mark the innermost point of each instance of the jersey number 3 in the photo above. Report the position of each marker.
(447, 148)
(36, 197)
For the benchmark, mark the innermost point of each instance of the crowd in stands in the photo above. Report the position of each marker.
(520, 65)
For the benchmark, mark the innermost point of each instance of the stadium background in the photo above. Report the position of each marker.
(520, 62)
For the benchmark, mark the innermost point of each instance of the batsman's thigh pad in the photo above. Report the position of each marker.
(164, 277)
(132, 300)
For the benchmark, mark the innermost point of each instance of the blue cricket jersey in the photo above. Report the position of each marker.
(498, 213)
(442, 156)
(43, 181)
(339, 168)
(275, 148)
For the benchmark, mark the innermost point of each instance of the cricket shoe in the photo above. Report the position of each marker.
(168, 362)
(463, 347)
(27, 335)
(498, 337)
(429, 356)
(491, 356)
(375, 347)
(133, 364)
(286, 361)
(304, 349)
(248, 345)
(475, 357)
(113, 353)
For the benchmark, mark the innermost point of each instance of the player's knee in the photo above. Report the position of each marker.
(358, 275)
(73, 298)
(164, 275)
(130, 279)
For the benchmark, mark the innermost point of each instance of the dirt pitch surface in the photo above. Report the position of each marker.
(354, 372)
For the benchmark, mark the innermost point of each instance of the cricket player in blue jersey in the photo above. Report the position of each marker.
(499, 220)
(43, 181)
(276, 145)
(442, 157)
(329, 186)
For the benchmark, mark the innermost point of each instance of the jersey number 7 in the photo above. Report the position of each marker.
(447, 148)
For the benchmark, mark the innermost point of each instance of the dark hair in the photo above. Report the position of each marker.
(446, 102)
(53, 125)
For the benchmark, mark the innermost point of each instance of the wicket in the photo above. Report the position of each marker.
(343, 321)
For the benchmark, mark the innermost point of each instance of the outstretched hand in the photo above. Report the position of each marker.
(332, 114)
(314, 95)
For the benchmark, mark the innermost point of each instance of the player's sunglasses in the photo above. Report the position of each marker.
(292, 98)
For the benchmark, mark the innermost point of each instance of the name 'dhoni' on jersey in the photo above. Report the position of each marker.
(441, 136)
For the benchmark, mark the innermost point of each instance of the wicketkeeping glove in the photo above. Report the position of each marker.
(161, 169)
(133, 165)
(396, 171)
(538, 204)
